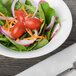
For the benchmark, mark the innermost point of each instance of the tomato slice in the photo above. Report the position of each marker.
(33, 23)
(18, 30)
(20, 15)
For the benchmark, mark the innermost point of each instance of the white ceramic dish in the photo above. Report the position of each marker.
(63, 12)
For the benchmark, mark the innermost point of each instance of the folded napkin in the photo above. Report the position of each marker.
(54, 64)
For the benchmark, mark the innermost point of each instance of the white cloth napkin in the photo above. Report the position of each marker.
(54, 64)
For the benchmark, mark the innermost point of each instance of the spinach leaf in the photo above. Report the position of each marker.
(28, 3)
(20, 47)
(41, 44)
(1, 23)
(48, 11)
(4, 41)
(49, 33)
(31, 47)
(42, 16)
(28, 8)
(13, 47)
(7, 4)
(1, 35)
(4, 10)
(23, 36)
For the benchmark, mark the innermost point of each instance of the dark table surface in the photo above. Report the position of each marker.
(10, 66)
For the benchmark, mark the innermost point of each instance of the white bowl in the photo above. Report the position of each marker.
(62, 12)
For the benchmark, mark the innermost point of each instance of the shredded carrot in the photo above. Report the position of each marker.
(11, 29)
(38, 39)
(30, 38)
(29, 31)
(5, 28)
(6, 20)
(10, 33)
(12, 21)
(45, 37)
(18, 39)
(33, 36)
(29, 15)
(44, 29)
(5, 25)
(42, 20)
(24, 10)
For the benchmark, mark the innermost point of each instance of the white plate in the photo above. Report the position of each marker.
(63, 12)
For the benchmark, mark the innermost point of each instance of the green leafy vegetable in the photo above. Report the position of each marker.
(28, 8)
(4, 10)
(28, 3)
(31, 47)
(4, 41)
(48, 11)
(41, 44)
(49, 33)
(13, 47)
(44, 12)
(7, 4)
(20, 47)
(1, 35)
(23, 36)
(1, 23)
(42, 16)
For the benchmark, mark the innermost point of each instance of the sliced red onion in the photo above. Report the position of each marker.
(51, 24)
(27, 42)
(24, 42)
(9, 18)
(2, 18)
(12, 7)
(41, 1)
(36, 32)
(56, 30)
(35, 12)
(33, 3)
(22, 1)
(36, 17)
(37, 7)
(6, 33)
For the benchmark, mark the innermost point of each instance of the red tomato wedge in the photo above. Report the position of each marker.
(20, 15)
(33, 23)
(18, 30)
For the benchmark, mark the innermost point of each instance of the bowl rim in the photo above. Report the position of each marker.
(38, 55)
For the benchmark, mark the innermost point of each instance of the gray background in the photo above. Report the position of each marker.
(10, 67)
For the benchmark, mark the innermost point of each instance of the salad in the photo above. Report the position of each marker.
(26, 26)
